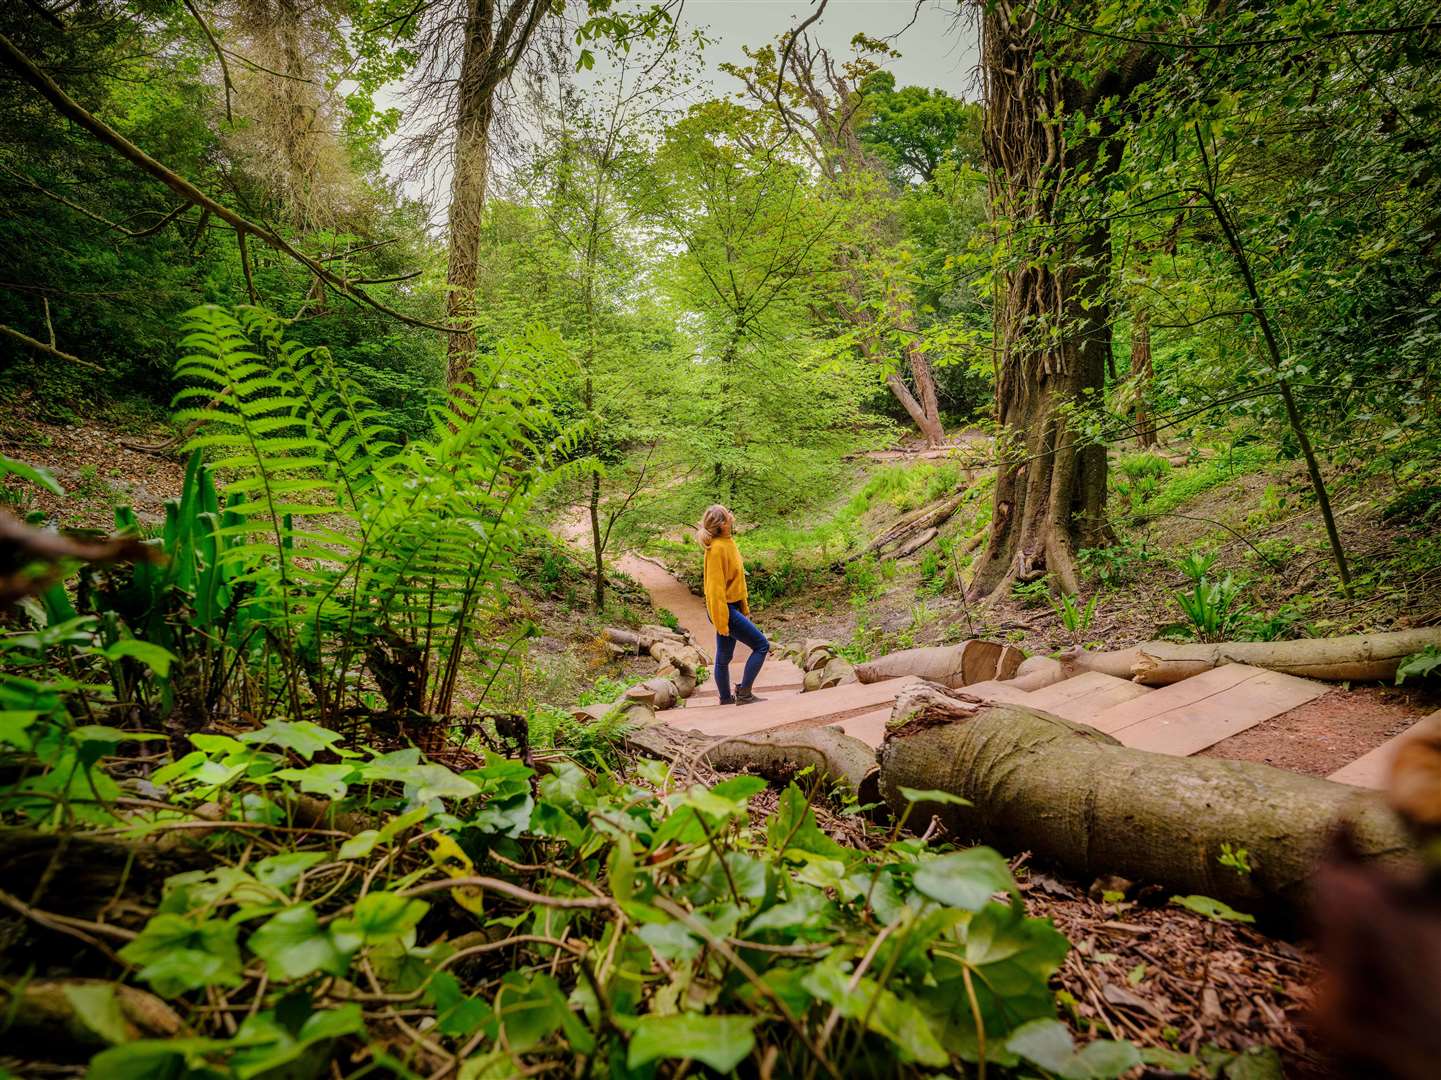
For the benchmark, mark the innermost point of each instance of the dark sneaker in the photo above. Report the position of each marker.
(745, 697)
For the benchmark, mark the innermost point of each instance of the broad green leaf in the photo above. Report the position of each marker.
(153, 656)
(670, 941)
(964, 879)
(803, 910)
(721, 1042)
(793, 827)
(157, 1059)
(880, 1010)
(302, 736)
(327, 781)
(280, 871)
(379, 917)
(96, 1007)
(1212, 909)
(175, 954)
(293, 944)
(360, 845)
(15, 725)
(1048, 1043)
(34, 473)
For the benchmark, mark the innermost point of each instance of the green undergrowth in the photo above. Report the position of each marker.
(355, 911)
(1174, 487)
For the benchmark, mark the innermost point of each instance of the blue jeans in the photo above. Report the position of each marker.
(746, 632)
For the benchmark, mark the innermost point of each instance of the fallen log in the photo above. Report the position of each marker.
(915, 543)
(776, 755)
(836, 672)
(1353, 658)
(70, 1019)
(950, 665)
(927, 517)
(1076, 797)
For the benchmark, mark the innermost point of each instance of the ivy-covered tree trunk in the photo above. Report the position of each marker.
(1052, 310)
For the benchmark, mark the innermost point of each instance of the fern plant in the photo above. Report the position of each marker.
(374, 565)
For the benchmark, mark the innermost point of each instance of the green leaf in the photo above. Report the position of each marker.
(802, 910)
(36, 475)
(302, 736)
(915, 795)
(293, 944)
(157, 1059)
(721, 1042)
(880, 1011)
(15, 725)
(1048, 1043)
(96, 1007)
(793, 827)
(280, 871)
(328, 781)
(379, 917)
(360, 845)
(175, 954)
(1212, 909)
(154, 657)
(964, 879)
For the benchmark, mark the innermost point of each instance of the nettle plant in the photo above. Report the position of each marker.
(501, 921)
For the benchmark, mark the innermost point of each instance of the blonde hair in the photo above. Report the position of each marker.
(715, 522)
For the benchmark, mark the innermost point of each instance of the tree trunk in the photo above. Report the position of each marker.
(925, 381)
(595, 542)
(1142, 377)
(1052, 311)
(467, 193)
(1075, 797)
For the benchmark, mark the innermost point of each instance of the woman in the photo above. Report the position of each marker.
(726, 604)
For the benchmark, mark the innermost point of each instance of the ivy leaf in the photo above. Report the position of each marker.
(175, 954)
(15, 725)
(964, 879)
(669, 941)
(328, 781)
(880, 1011)
(801, 911)
(96, 1008)
(379, 917)
(793, 827)
(281, 871)
(1048, 1043)
(722, 1042)
(293, 944)
(360, 845)
(531, 1008)
(302, 736)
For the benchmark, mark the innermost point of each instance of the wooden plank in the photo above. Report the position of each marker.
(996, 692)
(1190, 726)
(869, 727)
(1373, 769)
(1085, 696)
(1198, 688)
(788, 710)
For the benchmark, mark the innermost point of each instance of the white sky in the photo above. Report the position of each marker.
(938, 48)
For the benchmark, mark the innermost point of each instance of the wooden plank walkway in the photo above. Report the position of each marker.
(1372, 770)
(1186, 717)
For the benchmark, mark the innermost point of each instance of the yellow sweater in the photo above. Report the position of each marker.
(725, 583)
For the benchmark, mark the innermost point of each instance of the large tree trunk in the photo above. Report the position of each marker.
(474, 111)
(1052, 312)
(1075, 797)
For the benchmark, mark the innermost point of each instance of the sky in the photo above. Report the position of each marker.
(938, 49)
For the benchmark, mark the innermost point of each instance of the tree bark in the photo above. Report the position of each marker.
(1142, 377)
(1052, 311)
(496, 36)
(1075, 797)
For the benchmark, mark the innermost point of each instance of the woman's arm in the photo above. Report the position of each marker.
(715, 594)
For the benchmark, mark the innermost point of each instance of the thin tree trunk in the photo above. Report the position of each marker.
(1142, 377)
(595, 540)
(1273, 350)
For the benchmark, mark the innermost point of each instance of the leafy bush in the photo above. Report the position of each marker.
(1117, 564)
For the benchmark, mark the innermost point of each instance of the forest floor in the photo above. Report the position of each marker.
(1141, 967)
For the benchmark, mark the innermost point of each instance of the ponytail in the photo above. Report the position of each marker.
(715, 522)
